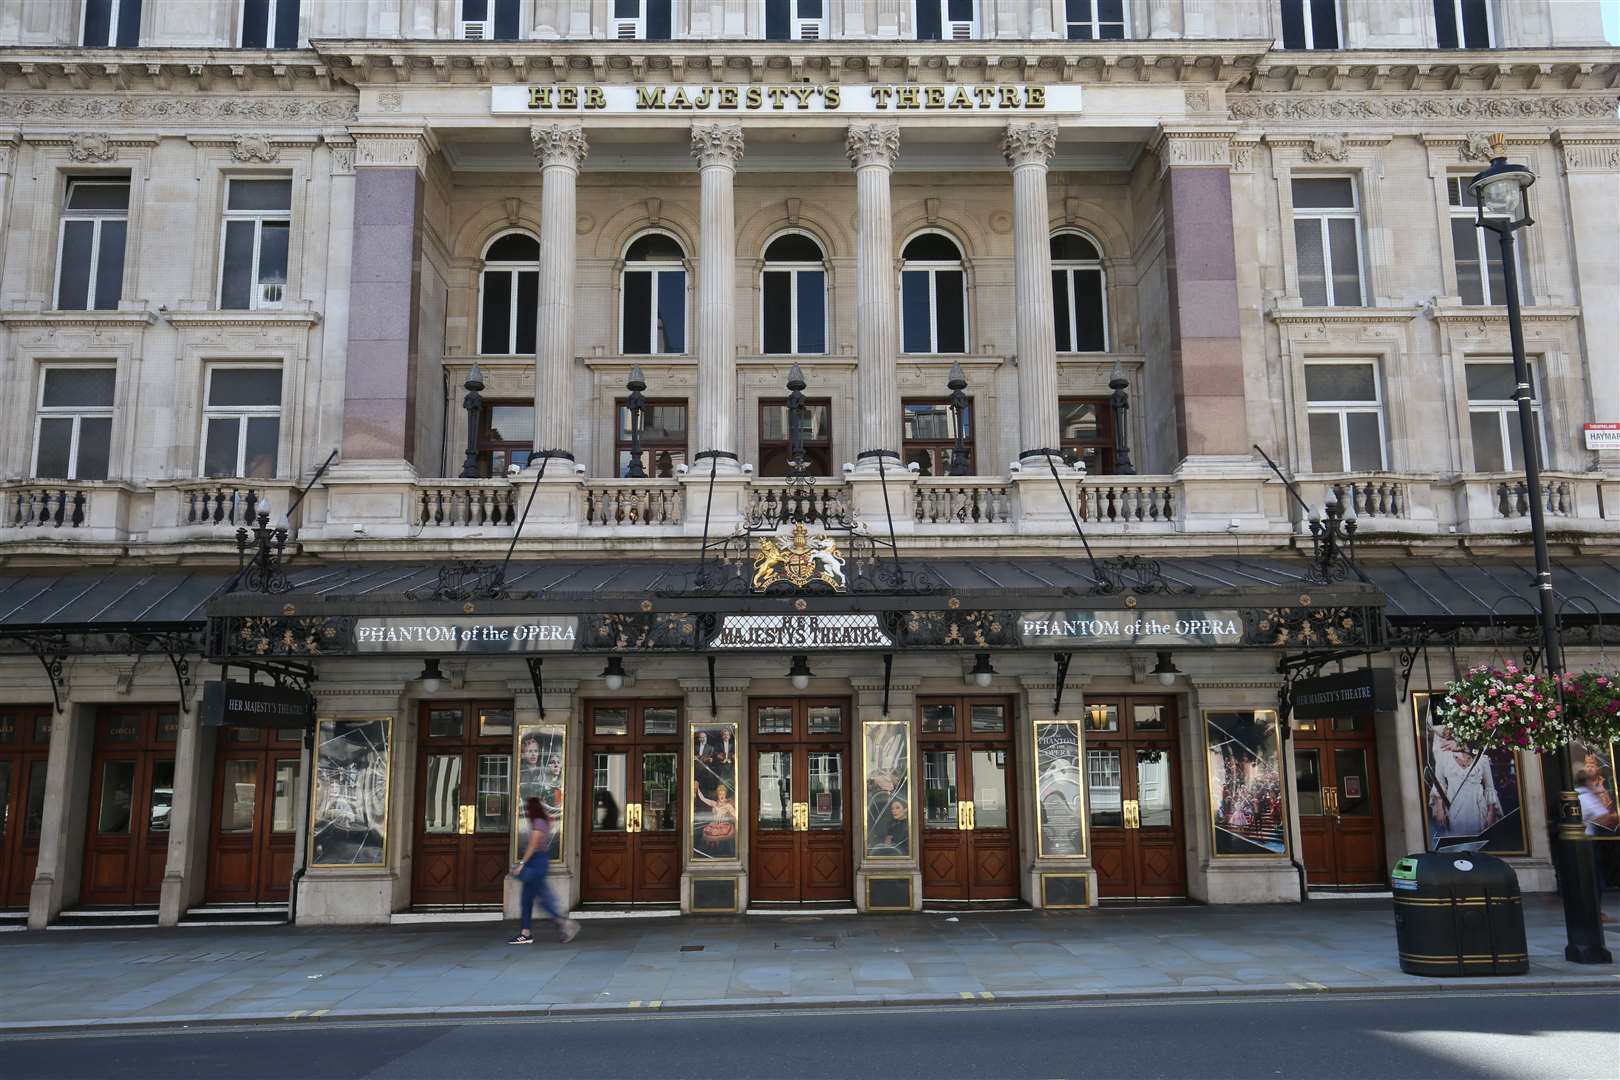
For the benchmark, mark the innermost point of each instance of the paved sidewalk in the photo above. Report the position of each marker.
(245, 974)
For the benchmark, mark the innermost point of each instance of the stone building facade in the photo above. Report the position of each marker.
(245, 246)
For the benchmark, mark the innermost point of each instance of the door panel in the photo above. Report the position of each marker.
(658, 868)
(970, 836)
(464, 807)
(633, 834)
(799, 841)
(773, 875)
(1133, 791)
(825, 869)
(1336, 785)
(608, 874)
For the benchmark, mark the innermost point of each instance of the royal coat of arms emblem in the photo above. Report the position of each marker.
(801, 560)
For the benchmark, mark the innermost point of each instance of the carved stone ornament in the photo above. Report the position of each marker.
(559, 144)
(1339, 107)
(1590, 156)
(1327, 148)
(1029, 143)
(255, 148)
(1194, 148)
(91, 146)
(210, 109)
(873, 144)
(1476, 146)
(717, 144)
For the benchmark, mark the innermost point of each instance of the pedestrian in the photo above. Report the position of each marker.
(531, 870)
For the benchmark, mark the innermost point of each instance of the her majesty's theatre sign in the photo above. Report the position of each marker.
(775, 99)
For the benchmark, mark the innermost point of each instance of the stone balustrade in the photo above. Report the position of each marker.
(466, 504)
(633, 502)
(963, 501)
(1136, 503)
(47, 505)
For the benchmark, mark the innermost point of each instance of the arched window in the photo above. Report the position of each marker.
(1079, 294)
(933, 296)
(653, 312)
(509, 301)
(793, 296)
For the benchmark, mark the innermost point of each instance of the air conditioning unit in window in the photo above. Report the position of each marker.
(480, 30)
(627, 29)
(271, 294)
(959, 31)
(809, 29)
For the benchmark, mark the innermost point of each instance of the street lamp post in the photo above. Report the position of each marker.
(1501, 195)
(958, 401)
(474, 404)
(798, 464)
(1120, 403)
(636, 406)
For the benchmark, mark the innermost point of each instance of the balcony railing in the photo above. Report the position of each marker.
(466, 504)
(633, 502)
(966, 502)
(1137, 503)
(47, 505)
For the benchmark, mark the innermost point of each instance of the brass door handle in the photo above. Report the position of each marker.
(1332, 794)
(466, 820)
(632, 817)
(1133, 814)
(801, 817)
(964, 816)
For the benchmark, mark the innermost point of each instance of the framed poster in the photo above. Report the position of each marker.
(349, 823)
(714, 792)
(1058, 789)
(1246, 809)
(1594, 785)
(887, 817)
(541, 770)
(1467, 796)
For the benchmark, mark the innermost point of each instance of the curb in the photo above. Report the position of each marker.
(588, 1010)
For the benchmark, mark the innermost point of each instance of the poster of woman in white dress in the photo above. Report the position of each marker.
(1468, 796)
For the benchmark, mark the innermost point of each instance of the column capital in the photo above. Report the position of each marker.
(1029, 142)
(873, 144)
(1197, 146)
(1589, 151)
(393, 147)
(559, 144)
(717, 144)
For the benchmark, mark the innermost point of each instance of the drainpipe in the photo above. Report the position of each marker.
(304, 840)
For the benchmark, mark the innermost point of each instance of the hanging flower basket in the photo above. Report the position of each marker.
(1592, 706)
(1505, 709)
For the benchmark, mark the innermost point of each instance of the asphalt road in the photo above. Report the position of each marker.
(1451, 1033)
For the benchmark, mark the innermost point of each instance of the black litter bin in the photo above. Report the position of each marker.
(1458, 913)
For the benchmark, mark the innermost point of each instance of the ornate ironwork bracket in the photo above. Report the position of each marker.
(1408, 657)
(888, 674)
(1133, 574)
(464, 580)
(1293, 669)
(536, 663)
(52, 654)
(714, 694)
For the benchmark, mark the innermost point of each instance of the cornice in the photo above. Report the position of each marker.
(1498, 314)
(1419, 70)
(1312, 315)
(59, 319)
(1421, 108)
(298, 317)
(231, 110)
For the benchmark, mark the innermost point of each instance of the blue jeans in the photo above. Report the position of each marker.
(533, 876)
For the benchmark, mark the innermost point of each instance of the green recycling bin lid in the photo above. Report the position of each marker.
(1404, 876)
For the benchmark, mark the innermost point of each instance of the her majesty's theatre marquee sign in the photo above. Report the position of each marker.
(780, 98)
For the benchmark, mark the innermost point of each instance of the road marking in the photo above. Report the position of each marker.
(656, 1003)
(296, 1015)
(967, 995)
(319, 1012)
(987, 995)
(635, 1004)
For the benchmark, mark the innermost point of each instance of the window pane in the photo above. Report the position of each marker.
(939, 719)
(987, 718)
(614, 721)
(34, 817)
(1324, 24)
(1078, 421)
(97, 22)
(73, 291)
(259, 195)
(219, 456)
(82, 387)
(55, 444)
(949, 309)
(927, 420)
(511, 423)
(496, 337)
(1072, 247)
(1486, 429)
(262, 436)
(1366, 448)
(286, 24)
(95, 447)
(1327, 453)
(1476, 30)
(777, 316)
(117, 792)
(777, 21)
(514, 247)
(1465, 244)
(1346, 263)
(255, 24)
(1340, 382)
(812, 311)
(665, 422)
(97, 195)
(928, 24)
(672, 311)
(939, 789)
(793, 247)
(932, 247)
(284, 808)
(637, 312)
(1060, 308)
(236, 279)
(914, 312)
(658, 19)
(240, 795)
(1327, 192)
(775, 774)
(627, 9)
(129, 24)
(110, 265)
(245, 386)
(1491, 382)
(1088, 310)
(273, 253)
(1312, 272)
(959, 10)
(809, 9)
(1515, 459)
(1445, 24)
(528, 310)
(654, 247)
(989, 789)
(1493, 269)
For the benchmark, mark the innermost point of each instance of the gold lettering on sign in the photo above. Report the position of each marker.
(728, 97)
(568, 97)
(829, 94)
(594, 98)
(796, 97)
(649, 97)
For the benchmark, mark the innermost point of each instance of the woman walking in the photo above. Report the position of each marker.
(531, 869)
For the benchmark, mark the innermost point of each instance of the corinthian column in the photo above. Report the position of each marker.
(560, 149)
(717, 148)
(872, 150)
(1028, 147)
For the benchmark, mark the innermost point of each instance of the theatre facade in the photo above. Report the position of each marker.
(957, 460)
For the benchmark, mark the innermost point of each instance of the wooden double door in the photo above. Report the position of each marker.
(1341, 827)
(1133, 785)
(25, 743)
(463, 834)
(256, 790)
(970, 827)
(631, 848)
(131, 796)
(799, 840)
